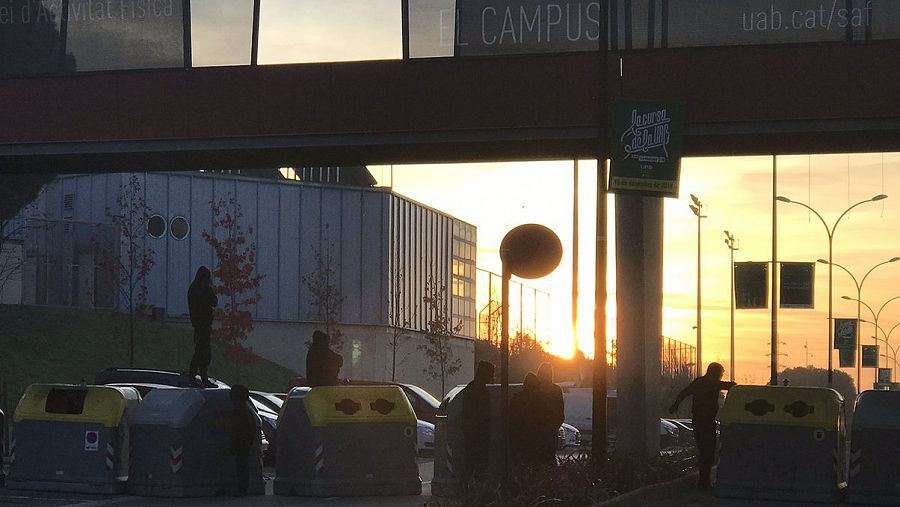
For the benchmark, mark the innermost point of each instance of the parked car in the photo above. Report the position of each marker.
(268, 400)
(148, 376)
(569, 436)
(424, 438)
(669, 435)
(423, 403)
(685, 432)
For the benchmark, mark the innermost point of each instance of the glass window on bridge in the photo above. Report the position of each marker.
(306, 31)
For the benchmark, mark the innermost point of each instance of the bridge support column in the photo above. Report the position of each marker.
(639, 235)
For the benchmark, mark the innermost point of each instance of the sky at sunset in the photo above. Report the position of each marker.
(498, 196)
(737, 193)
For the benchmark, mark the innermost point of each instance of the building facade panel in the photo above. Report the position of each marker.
(353, 253)
(267, 258)
(178, 264)
(285, 214)
(310, 234)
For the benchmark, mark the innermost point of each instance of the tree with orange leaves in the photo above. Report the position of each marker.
(235, 276)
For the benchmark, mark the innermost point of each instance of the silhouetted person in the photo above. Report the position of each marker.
(527, 419)
(243, 431)
(323, 365)
(476, 420)
(555, 413)
(201, 302)
(705, 405)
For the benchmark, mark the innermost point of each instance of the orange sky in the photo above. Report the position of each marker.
(737, 193)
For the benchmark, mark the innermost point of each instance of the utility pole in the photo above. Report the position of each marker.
(575, 254)
(697, 208)
(732, 244)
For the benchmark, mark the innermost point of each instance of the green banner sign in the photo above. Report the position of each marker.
(751, 285)
(884, 376)
(847, 358)
(797, 284)
(845, 334)
(870, 356)
(646, 145)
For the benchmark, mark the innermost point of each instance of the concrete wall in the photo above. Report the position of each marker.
(366, 350)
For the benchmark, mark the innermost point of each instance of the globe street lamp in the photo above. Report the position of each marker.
(875, 315)
(859, 286)
(697, 208)
(830, 232)
(732, 245)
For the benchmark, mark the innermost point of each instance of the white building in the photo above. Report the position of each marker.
(369, 234)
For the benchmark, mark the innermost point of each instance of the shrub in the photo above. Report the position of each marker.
(575, 482)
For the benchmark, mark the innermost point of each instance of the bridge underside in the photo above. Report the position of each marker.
(740, 100)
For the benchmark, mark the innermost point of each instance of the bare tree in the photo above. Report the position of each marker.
(124, 270)
(17, 193)
(439, 332)
(399, 320)
(325, 294)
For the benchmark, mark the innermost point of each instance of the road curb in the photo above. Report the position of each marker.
(677, 492)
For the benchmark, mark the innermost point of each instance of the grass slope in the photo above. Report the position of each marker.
(41, 345)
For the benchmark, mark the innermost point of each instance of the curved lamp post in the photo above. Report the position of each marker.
(830, 232)
(887, 343)
(859, 286)
(875, 315)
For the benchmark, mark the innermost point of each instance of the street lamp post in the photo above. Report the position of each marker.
(875, 315)
(732, 244)
(830, 232)
(886, 341)
(697, 208)
(859, 303)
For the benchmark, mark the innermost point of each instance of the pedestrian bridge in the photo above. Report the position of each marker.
(169, 84)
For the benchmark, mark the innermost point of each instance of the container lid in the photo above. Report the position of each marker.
(877, 410)
(818, 407)
(175, 408)
(355, 405)
(75, 403)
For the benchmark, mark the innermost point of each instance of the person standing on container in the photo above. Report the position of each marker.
(476, 420)
(323, 365)
(705, 405)
(202, 301)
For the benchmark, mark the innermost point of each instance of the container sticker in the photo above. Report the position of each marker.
(819, 435)
(91, 441)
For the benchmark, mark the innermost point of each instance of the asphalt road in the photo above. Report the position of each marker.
(711, 501)
(9, 498)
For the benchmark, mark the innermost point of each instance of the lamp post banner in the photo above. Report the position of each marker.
(884, 376)
(870, 356)
(646, 145)
(797, 288)
(845, 334)
(751, 285)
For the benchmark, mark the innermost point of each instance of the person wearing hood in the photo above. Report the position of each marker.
(527, 421)
(202, 301)
(476, 420)
(323, 365)
(553, 413)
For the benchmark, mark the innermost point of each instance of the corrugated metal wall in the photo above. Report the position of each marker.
(368, 234)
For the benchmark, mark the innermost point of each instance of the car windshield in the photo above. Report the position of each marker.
(269, 399)
(425, 395)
